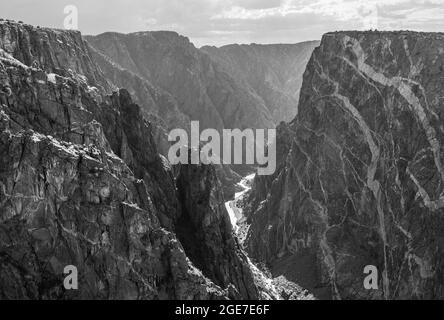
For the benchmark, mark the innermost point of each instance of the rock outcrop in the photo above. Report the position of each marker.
(204, 220)
(53, 50)
(360, 178)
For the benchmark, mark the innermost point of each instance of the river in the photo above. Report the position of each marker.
(234, 210)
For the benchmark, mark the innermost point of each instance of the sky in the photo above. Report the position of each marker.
(220, 22)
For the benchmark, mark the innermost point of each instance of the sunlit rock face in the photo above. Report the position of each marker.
(273, 72)
(360, 174)
(53, 50)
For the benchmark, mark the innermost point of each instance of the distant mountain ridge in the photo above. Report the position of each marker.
(273, 71)
(203, 92)
(243, 86)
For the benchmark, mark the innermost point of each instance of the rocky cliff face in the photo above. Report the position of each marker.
(52, 50)
(204, 220)
(157, 105)
(68, 199)
(201, 88)
(82, 183)
(274, 72)
(360, 177)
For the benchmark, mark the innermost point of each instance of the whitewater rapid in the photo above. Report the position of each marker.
(234, 211)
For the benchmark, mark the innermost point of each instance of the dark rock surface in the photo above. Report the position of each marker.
(360, 177)
(204, 220)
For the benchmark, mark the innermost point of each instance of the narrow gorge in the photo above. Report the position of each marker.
(82, 183)
(85, 179)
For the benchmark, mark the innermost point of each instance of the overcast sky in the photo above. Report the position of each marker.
(218, 22)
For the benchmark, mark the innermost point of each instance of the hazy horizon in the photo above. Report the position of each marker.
(218, 22)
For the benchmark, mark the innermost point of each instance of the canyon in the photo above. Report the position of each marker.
(85, 181)
(82, 183)
(175, 83)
